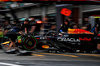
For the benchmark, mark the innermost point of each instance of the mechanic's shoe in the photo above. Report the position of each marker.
(16, 51)
(13, 50)
(8, 51)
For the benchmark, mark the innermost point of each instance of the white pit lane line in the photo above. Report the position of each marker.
(9, 64)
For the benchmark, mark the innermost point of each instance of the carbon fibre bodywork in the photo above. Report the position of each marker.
(72, 42)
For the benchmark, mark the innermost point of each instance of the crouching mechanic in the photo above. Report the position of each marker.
(13, 33)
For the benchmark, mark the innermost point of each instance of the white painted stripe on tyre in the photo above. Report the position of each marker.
(9, 64)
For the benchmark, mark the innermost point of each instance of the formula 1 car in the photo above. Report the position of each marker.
(75, 40)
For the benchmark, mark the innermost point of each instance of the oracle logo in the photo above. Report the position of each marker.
(68, 39)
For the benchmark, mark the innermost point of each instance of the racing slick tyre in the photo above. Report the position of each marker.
(29, 43)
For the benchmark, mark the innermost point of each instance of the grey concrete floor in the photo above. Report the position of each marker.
(50, 59)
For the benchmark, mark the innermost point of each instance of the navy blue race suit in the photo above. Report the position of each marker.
(64, 28)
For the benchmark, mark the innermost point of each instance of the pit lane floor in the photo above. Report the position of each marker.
(39, 58)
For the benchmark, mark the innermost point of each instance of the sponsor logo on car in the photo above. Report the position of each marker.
(68, 39)
(85, 39)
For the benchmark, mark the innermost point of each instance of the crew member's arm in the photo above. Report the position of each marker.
(61, 30)
(84, 27)
(5, 32)
(20, 32)
(96, 30)
(25, 30)
(32, 29)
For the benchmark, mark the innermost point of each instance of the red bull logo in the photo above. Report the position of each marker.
(85, 39)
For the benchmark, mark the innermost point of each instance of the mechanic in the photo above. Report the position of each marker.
(46, 25)
(32, 28)
(97, 31)
(71, 22)
(25, 27)
(53, 27)
(7, 26)
(12, 35)
(75, 26)
(64, 28)
(17, 30)
(14, 23)
(35, 28)
(86, 25)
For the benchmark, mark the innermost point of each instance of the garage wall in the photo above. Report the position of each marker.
(51, 9)
(20, 14)
(90, 7)
(35, 11)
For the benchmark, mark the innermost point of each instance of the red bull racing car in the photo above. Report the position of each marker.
(75, 39)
